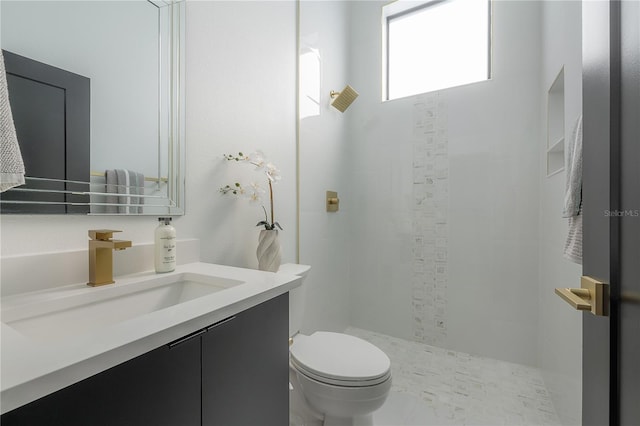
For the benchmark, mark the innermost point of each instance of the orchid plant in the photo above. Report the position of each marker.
(254, 190)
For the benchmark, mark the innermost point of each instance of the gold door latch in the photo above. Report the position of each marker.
(592, 295)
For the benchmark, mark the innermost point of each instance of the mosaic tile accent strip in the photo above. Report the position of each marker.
(456, 388)
(430, 208)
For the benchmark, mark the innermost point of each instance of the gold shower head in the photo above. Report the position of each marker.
(342, 100)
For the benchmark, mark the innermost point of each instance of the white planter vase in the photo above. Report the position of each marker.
(268, 251)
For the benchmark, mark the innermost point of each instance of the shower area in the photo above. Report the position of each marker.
(448, 239)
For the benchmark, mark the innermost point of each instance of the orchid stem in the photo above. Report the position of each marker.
(271, 201)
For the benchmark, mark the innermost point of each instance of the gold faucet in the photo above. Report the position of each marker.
(101, 248)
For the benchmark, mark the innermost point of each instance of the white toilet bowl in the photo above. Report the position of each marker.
(340, 379)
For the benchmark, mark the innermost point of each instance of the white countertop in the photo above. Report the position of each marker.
(31, 369)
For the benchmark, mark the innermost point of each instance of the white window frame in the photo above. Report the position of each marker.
(399, 8)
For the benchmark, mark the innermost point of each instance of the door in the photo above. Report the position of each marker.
(629, 328)
(611, 207)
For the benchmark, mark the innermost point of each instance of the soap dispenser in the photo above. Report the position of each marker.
(165, 246)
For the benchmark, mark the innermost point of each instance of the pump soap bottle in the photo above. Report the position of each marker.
(165, 246)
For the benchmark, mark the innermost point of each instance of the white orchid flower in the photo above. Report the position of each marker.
(272, 173)
(257, 158)
(255, 192)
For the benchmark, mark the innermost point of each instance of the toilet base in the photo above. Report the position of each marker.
(366, 420)
(350, 406)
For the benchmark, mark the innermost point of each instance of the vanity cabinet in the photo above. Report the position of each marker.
(245, 368)
(161, 387)
(234, 372)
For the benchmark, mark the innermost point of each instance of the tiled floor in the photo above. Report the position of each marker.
(434, 386)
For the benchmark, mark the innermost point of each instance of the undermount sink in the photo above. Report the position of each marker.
(87, 309)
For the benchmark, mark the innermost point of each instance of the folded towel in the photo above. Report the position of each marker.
(140, 191)
(133, 190)
(573, 195)
(112, 188)
(123, 189)
(129, 185)
(11, 164)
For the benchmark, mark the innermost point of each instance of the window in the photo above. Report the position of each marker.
(434, 45)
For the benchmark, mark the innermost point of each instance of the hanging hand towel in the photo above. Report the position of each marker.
(123, 189)
(112, 188)
(11, 164)
(133, 190)
(140, 191)
(573, 195)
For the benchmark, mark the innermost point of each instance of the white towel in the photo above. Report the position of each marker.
(573, 170)
(127, 184)
(11, 164)
(573, 245)
(123, 189)
(112, 188)
(133, 190)
(573, 195)
(140, 191)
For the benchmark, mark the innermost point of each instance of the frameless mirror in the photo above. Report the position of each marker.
(120, 65)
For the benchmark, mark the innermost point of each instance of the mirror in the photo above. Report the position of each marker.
(131, 55)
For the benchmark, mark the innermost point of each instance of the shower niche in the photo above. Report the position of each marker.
(555, 125)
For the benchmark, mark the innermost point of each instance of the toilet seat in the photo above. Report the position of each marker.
(339, 359)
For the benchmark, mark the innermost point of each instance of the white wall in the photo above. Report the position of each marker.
(325, 237)
(560, 329)
(241, 65)
(494, 131)
(240, 96)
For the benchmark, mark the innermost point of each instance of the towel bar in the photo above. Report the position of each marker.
(147, 179)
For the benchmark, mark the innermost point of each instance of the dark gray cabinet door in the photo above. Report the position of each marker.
(159, 388)
(245, 379)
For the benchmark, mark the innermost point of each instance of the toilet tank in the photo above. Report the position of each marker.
(297, 300)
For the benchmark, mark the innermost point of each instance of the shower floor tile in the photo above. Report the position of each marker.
(435, 386)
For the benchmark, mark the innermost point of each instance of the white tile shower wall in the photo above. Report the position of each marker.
(559, 347)
(493, 134)
(324, 165)
(430, 216)
(240, 96)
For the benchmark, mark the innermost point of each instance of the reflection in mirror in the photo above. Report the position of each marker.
(130, 55)
(310, 69)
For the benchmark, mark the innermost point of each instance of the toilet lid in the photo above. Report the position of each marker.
(340, 359)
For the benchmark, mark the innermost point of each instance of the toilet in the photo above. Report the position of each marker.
(336, 379)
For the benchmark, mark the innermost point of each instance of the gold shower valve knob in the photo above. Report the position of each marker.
(333, 202)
